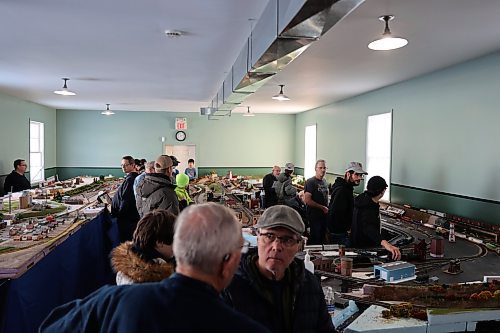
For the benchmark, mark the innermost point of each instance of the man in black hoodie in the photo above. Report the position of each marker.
(366, 218)
(342, 203)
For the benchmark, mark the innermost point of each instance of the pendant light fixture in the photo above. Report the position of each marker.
(248, 113)
(64, 91)
(108, 112)
(281, 96)
(387, 41)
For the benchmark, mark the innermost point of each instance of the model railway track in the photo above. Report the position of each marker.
(437, 263)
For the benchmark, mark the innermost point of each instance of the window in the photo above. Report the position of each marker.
(378, 148)
(310, 151)
(36, 164)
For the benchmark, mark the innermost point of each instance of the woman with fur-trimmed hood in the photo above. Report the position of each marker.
(149, 256)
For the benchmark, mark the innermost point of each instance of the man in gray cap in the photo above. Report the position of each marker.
(156, 190)
(342, 203)
(283, 187)
(271, 286)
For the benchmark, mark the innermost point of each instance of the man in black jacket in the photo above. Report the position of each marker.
(272, 287)
(342, 203)
(366, 218)
(16, 181)
(270, 197)
(123, 205)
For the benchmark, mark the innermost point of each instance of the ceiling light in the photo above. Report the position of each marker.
(281, 96)
(248, 114)
(387, 41)
(64, 91)
(108, 112)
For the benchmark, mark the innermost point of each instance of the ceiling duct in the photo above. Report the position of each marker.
(285, 29)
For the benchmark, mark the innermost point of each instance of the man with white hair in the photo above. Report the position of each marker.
(188, 301)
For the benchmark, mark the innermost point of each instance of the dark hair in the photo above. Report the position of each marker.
(137, 162)
(190, 160)
(129, 159)
(143, 160)
(155, 226)
(376, 185)
(17, 163)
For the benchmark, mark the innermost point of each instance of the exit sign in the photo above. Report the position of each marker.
(181, 124)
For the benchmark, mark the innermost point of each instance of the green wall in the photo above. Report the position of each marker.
(89, 139)
(15, 115)
(445, 137)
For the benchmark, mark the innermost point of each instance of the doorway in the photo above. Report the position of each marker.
(183, 154)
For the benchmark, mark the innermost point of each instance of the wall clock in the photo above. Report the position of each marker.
(180, 135)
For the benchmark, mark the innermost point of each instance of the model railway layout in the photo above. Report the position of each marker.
(28, 233)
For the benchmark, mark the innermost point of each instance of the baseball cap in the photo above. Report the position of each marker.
(356, 167)
(163, 162)
(289, 166)
(175, 161)
(281, 216)
(376, 184)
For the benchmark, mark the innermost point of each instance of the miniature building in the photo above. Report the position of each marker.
(437, 247)
(394, 271)
(24, 201)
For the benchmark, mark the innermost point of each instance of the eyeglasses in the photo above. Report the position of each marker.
(125, 165)
(23, 164)
(360, 175)
(245, 247)
(286, 241)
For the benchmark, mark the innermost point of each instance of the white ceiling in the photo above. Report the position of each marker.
(115, 51)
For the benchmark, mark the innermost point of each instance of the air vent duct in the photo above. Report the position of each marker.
(285, 29)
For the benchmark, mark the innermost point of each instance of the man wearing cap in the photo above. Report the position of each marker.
(271, 286)
(156, 190)
(365, 231)
(123, 206)
(316, 199)
(283, 187)
(175, 163)
(342, 203)
(270, 198)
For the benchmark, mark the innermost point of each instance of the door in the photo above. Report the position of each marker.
(183, 154)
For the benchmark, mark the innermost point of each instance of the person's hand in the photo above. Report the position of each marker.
(324, 209)
(395, 253)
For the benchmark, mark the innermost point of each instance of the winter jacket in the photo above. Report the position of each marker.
(270, 195)
(284, 188)
(341, 206)
(304, 306)
(131, 268)
(365, 231)
(156, 191)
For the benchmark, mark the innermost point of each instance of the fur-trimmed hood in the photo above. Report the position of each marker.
(126, 261)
